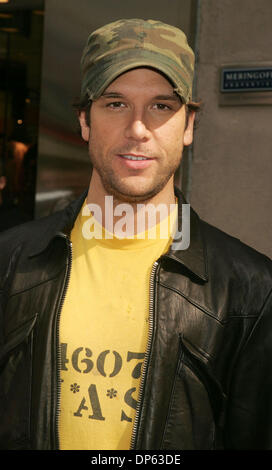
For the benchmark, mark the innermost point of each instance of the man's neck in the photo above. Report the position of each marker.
(138, 216)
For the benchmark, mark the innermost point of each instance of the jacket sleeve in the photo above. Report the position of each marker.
(248, 422)
(9, 252)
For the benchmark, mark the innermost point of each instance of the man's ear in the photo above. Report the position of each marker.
(85, 129)
(189, 131)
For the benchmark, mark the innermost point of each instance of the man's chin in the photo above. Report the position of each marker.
(133, 195)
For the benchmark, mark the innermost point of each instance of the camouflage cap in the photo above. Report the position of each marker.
(130, 43)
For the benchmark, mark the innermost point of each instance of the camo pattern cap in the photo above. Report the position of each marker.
(130, 43)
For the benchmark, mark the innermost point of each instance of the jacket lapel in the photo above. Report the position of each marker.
(193, 257)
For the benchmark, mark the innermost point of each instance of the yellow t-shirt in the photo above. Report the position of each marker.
(103, 334)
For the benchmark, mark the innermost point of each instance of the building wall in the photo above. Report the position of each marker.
(231, 178)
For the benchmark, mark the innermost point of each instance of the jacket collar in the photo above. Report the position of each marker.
(59, 223)
(193, 258)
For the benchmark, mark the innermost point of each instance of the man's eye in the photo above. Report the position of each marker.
(115, 104)
(162, 106)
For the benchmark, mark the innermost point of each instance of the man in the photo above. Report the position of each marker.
(114, 339)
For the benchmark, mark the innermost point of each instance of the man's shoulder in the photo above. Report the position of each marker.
(222, 252)
(21, 241)
(27, 232)
(226, 251)
(35, 234)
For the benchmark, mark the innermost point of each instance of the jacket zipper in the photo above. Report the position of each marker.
(147, 354)
(58, 349)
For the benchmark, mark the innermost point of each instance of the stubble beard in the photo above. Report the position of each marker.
(120, 193)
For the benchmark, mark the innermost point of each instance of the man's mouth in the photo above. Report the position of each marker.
(133, 161)
(134, 157)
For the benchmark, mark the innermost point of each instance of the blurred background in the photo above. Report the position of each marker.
(44, 164)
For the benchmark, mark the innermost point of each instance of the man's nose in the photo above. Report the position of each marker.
(137, 127)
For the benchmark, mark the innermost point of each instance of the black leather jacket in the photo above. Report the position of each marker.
(207, 380)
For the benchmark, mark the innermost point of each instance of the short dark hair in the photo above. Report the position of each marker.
(83, 105)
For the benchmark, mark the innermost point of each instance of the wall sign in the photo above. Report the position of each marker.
(245, 85)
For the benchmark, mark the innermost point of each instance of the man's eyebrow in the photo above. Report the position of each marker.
(112, 94)
(167, 97)
(172, 97)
